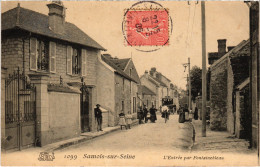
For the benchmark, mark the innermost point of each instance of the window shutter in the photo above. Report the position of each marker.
(69, 60)
(33, 54)
(83, 62)
(52, 51)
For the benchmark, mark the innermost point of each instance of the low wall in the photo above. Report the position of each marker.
(64, 116)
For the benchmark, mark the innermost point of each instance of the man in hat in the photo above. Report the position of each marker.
(98, 116)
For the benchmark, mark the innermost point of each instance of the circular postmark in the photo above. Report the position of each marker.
(147, 26)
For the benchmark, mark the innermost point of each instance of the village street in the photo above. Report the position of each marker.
(159, 136)
(165, 142)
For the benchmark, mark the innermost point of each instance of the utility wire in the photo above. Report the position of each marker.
(186, 41)
(194, 14)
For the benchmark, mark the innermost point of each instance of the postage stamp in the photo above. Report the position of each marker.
(147, 23)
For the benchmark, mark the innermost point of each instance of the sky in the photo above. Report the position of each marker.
(102, 20)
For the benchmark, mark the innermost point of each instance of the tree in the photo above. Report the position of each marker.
(196, 81)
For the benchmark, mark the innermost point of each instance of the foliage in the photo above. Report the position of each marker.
(196, 81)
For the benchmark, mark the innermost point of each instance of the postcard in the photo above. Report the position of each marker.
(130, 83)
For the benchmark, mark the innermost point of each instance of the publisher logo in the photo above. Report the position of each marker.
(45, 156)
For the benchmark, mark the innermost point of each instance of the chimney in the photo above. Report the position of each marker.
(146, 74)
(108, 56)
(152, 71)
(230, 48)
(57, 16)
(221, 47)
(159, 76)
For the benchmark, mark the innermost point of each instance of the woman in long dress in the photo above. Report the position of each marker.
(128, 120)
(122, 120)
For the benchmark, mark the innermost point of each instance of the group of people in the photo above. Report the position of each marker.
(144, 114)
(124, 120)
(186, 115)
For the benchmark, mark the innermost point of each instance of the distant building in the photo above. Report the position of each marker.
(160, 85)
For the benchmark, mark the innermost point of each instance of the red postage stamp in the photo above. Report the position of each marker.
(147, 24)
(147, 28)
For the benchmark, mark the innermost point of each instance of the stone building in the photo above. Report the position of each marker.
(160, 85)
(147, 96)
(117, 87)
(226, 72)
(242, 112)
(58, 59)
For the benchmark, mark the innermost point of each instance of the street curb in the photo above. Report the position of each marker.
(68, 144)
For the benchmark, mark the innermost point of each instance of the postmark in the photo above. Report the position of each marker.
(147, 26)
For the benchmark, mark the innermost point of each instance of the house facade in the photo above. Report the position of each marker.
(60, 61)
(161, 86)
(226, 73)
(117, 89)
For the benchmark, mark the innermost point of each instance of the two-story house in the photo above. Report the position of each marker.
(117, 81)
(60, 61)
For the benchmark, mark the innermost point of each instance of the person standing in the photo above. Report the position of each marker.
(128, 120)
(145, 114)
(153, 114)
(122, 120)
(98, 116)
(196, 115)
(140, 115)
(165, 112)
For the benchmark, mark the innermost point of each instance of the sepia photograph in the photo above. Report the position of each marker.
(130, 83)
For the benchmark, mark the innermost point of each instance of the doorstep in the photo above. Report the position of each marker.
(82, 138)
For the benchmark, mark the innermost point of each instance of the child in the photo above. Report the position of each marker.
(122, 120)
(128, 119)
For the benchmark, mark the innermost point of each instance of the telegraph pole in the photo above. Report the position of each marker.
(204, 82)
(189, 86)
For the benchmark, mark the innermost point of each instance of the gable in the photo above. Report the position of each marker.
(134, 74)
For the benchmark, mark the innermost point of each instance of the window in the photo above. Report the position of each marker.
(123, 84)
(134, 104)
(42, 55)
(123, 106)
(76, 61)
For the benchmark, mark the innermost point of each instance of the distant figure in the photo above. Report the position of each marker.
(145, 114)
(181, 115)
(140, 115)
(153, 114)
(128, 118)
(196, 114)
(186, 112)
(98, 116)
(122, 120)
(165, 112)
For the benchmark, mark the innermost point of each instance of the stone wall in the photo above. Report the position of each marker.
(218, 97)
(106, 90)
(230, 88)
(242, 114)
(122, 93)
(64, 116)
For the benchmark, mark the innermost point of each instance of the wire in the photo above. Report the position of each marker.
(186, 41)
(194, 14)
